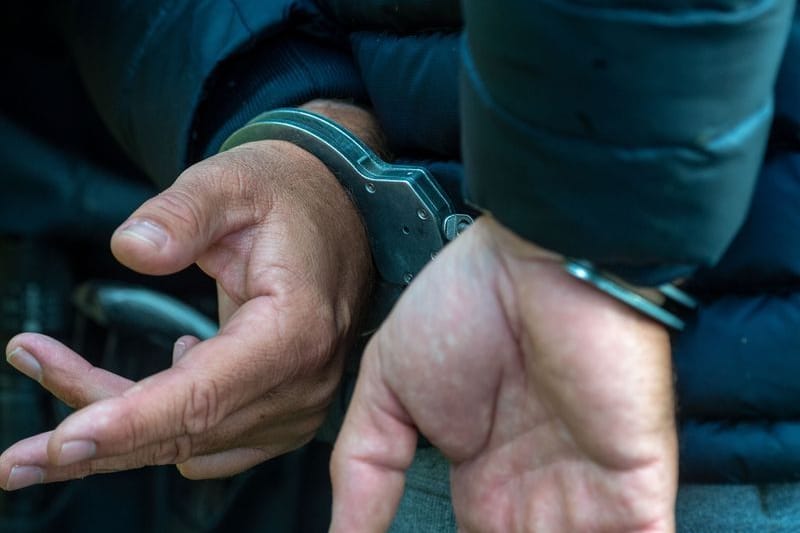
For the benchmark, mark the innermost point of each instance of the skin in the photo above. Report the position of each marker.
(552, 402)
(291, 261)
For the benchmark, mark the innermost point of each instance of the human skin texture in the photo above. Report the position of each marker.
(552, 402)
(272, 225)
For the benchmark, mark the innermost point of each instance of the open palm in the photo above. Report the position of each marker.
(552, 402)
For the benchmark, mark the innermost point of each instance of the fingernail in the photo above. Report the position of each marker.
(23, 361)
(24, 476)
(147, 231)
(76, 451)
(178, 349)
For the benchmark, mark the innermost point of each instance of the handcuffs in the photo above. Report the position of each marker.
(407, 215)
(646, 304)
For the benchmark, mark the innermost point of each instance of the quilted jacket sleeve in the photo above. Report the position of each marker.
(170, 77)
(627, 132)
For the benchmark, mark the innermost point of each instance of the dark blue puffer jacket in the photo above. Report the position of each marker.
(738, 362)
(572, 138)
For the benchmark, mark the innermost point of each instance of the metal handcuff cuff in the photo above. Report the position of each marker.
(644, 303)
(407, 215)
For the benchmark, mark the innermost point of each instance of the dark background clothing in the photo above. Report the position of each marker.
(646, 114)
(103, 103)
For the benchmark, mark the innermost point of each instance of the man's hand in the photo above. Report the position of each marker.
(290, 257)
(552, 401)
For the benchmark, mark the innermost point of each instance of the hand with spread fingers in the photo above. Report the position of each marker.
(552, 402)
(273, 227)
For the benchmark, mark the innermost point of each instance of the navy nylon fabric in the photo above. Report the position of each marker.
(281, 72)
(765, 254)
(412, 82)
(404, 17)
(737, 363)
(788, 85)
(149, 79)
(739, 451)
(739, 358)
(594, 114)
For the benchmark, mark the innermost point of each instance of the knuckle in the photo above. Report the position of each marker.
(201, 409)
(133, 427)
(174, 451)
(243, 168)
(179, 204)
(68, 389)
(74, 398)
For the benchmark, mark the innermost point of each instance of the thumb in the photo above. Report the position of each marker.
(374, 448)
(170, 231)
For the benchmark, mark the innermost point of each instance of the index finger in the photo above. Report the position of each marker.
(212, 380)
(64, 373)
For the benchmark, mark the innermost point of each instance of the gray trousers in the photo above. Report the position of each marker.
(700, 509)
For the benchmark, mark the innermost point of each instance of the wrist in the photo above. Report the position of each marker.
(407, 216)
(359, 121)
(663, 303)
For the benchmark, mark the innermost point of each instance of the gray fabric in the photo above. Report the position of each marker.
(739, 508)
(425, 506)
(773, 508)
